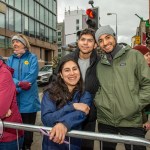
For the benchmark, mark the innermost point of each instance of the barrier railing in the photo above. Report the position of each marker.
(84, 135)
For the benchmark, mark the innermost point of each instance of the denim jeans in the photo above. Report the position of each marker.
(11, 145)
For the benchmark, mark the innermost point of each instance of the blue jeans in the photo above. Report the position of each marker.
(11, 145)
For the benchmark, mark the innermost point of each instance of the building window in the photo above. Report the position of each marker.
(50, 35)
(54, 21)
(18, 4)
(59, 50)
(46, 3)
(26, 6)
(2, 20)
(42, 14)
(42, 2)
(18, 22)
(11, 2)
(31, 8)
(37, 11)
(40, 53)
(77, 21)
(50, 19)
(46, 17)
(26, 27)
(59, 39)
(8, 43)
(46, 34)
(77, 28)
(31, 28)
(2, 42)
(50, 5)
(54, 7)
(37, 30)
(59, 33)
(11, 20)
(42, 32)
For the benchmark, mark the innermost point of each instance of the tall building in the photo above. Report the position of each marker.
(34, 18)
(74, 22)
(60, 38)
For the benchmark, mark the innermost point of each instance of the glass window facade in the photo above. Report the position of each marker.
(2, 20)
(33, 18)
(2, 42)
(18, 4)
(18, 22)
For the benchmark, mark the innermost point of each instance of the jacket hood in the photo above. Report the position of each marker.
(2, 64)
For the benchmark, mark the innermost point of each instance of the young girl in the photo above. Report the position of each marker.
(64, 107)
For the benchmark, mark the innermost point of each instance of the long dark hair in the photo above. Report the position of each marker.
(58, 90)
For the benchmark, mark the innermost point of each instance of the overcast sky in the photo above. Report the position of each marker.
(125, 9)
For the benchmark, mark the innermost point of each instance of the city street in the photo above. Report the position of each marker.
(38, 137)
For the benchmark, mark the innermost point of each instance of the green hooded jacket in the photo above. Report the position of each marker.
(124, 89)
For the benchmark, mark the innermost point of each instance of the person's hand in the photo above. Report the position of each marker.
(58, 133)
(8, 113)
(24, 85)
(146, 126)
(82, 107)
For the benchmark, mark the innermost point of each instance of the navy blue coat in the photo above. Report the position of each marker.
(67, 115)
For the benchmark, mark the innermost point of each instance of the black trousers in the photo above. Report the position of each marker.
(129, 131)
(28, 118)
(89, 125)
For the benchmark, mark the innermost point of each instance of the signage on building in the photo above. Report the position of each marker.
(137, 40)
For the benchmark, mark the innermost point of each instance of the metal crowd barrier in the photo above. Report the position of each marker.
(83, 135)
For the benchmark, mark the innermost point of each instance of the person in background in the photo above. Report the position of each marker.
(146, 111)
(65, 106)
(11, 139)
(25, 65)
(87, 58)
(145, 51)
(124, 78)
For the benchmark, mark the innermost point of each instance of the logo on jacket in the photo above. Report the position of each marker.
(26, 62)
(123, 64)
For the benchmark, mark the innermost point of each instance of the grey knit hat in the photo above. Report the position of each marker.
(104, 30)
(16, 37)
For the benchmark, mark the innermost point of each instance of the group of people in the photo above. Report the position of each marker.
(118, 86)
(112, 88)
(19, 94)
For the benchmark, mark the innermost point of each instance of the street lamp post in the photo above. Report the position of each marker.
(116, 21)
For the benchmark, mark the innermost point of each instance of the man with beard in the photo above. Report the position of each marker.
(87, 58)
(124, 79)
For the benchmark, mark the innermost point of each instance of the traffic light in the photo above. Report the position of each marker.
(93, 18)
(147, 37)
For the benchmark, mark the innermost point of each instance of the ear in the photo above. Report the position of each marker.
(95, 45)
(61, 75)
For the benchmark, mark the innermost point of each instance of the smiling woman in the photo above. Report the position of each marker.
(65, 106)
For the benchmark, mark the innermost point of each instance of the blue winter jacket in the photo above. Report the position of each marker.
(67, 115)
(26, 69)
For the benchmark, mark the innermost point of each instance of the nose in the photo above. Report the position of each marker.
(71, 72)
(105, 42)
(85, 41)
